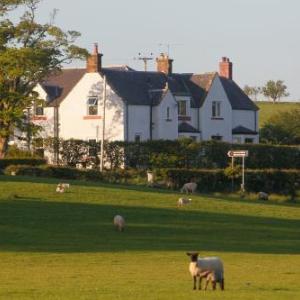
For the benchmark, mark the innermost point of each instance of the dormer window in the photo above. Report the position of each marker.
(182, 108)
(92, 106)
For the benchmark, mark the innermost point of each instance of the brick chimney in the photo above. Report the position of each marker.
(94, 61)
(225, 68)
(164, 64)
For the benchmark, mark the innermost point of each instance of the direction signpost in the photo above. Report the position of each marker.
(242, 154)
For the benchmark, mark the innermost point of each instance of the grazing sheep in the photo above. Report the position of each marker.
(60, 188)
(119, 222)
(65, 185)
(183, 202)
(189, 187)
(201, 267)
(263, 196)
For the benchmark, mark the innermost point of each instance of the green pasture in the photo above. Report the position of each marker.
(268, 109)
(63, 246)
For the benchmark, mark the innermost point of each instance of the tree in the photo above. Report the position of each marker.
(283, 128)
(275, 90)
(252, 91)
(29, 53)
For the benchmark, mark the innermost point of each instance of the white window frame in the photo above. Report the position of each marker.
(216, 109)
(179, 108)
(91, 106)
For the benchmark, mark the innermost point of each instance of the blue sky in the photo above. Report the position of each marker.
(261, 37)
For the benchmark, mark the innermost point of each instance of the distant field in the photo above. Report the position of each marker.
(63, 246)
(267, 109)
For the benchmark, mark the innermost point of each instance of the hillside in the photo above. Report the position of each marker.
(267, 109)
(63, 246)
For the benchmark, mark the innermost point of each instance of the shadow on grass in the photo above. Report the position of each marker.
(43, 226)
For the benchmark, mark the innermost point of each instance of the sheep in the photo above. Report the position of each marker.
(65, 185)
(210, 277)
(60, 188)
(263, 196)
(201, 267)
(189, 187)
(183, 202)
(119, 222)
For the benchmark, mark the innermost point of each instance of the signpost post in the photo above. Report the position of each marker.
(242, 154)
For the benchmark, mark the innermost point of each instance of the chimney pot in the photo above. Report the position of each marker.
(94, 61)
(225, 68)
(164, 64)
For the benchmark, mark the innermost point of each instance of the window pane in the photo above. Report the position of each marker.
(92, 104)
(39, 111)
(93, 110)
(182, 108)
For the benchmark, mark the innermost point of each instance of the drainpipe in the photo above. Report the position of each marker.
(56, 134)
(151, 121)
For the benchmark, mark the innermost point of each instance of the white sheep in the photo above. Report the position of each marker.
(183, 202)
(65, 185)
(201, 267)
(263, 196)
(189, 187)
(119, 222)
(60, 188)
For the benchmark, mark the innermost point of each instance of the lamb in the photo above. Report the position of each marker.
(209, 267)
(189, 187)
(119, 222)
(183, 202)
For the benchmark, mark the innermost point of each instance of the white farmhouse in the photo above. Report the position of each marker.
(146, 105)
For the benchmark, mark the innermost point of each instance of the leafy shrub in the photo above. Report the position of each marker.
(21, 161)
(270, 180)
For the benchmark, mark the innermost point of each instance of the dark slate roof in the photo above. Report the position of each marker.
(185, 127)
(238, 99)
(58, 86)
(199, 85)
(136, 87)
(242, 130)
(148, 88)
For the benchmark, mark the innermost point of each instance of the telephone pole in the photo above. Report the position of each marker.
(103, 125)
(145, 59)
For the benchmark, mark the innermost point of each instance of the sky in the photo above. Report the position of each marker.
(261, 37)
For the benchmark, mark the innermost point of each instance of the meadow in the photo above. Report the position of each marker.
(63, 246)
(268, 109)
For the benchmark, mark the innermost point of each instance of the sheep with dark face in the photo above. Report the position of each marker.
(210, 268)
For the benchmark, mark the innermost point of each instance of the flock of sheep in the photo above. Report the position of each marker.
(210, 268)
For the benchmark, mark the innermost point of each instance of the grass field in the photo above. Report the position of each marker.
(267, 109)
(63, 246)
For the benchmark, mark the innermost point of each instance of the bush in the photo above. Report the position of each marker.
(270, 180)
(21, 161)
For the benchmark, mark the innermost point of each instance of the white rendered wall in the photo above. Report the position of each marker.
(216, 127)
(138, 122)
(164, 128)
(244, 118)
(73, 118)
(47, 123)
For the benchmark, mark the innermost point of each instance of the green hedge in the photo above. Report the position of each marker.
(270, 180)
(68, 173)
(21, 161)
